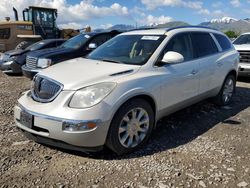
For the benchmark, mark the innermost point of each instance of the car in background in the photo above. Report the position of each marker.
(78, 46)
(116, 95)
(12, 61)
(242, 45)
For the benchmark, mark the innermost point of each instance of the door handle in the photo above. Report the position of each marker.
(194, 72)
(219, 64)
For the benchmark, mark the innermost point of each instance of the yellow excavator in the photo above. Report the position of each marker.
(38, 23)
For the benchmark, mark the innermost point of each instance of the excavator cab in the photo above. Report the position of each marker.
(43, 20)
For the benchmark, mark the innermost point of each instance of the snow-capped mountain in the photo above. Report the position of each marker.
(229, 24)
(247, 19)
(224, 20)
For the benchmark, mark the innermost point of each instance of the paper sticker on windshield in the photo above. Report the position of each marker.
(86, 36)
(150, 38)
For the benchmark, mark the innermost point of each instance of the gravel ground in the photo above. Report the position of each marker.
(201, 146)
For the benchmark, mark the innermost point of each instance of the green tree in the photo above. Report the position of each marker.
(232, 34)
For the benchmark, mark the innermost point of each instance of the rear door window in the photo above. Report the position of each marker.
(204, 44)
(223, 41)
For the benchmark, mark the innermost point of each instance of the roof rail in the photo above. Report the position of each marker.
(141, 28)
(190, 26)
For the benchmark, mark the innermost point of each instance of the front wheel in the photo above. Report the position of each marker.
(130, 127)
(226, 93)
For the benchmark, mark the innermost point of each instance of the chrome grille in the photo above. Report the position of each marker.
(244, 56)
(31, 62)
(45, 89)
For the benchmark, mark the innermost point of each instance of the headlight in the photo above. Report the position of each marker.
(92, 95)
(8, 62)
(43, 63)
(11, 59)
(5, 57)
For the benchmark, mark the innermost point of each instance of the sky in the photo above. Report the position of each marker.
(105, 13)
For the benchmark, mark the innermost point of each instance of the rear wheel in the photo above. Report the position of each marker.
(130, 127)
(226, 93)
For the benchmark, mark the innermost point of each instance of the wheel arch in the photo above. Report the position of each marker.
(147, 97)
(233, 72)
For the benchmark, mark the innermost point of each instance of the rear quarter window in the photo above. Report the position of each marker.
(223, 41)
(204, 44)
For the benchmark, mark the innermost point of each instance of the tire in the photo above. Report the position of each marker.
(23, 45)
(124, 124)
(226, 90)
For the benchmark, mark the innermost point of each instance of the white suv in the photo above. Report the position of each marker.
(242, 44)
(115, 96)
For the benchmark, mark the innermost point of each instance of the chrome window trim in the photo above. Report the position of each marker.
(46, 100)
(197, 58)
(216, 42)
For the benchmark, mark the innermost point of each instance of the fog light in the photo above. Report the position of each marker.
(78, 126)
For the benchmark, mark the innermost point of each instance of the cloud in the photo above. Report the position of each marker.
(235, 3)
(196, 5)
(151, 20)
(67, 13)
(172, 3)
(71, 25)
(217, 4)
(204, 11)
(106, 26)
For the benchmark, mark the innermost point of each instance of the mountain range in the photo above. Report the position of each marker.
(223, 24)
(229, 24)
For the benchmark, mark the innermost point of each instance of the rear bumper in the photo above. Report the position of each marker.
(29, 73)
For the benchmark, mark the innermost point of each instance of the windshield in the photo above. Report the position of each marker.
(76, 42)
(243, 39)
(35, 46)
(128, 49)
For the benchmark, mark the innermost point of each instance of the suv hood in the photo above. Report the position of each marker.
(78, 73)
(243, 47)
(15, 52)
(49, 52)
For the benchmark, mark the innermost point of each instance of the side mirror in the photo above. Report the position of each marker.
(172, 57)
(92, 46)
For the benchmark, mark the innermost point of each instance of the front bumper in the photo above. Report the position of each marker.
(15, 67)
(48, 130)
(5, 66)
(29, 73)
(48, 119)
(244, 69)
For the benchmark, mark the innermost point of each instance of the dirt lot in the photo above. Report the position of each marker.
(201, 146)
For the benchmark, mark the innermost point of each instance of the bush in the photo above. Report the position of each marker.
(232, 34)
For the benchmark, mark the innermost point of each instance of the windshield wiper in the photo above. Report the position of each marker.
(112, 60)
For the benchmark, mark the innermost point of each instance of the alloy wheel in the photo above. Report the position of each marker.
(133, 127)
(228, 90)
